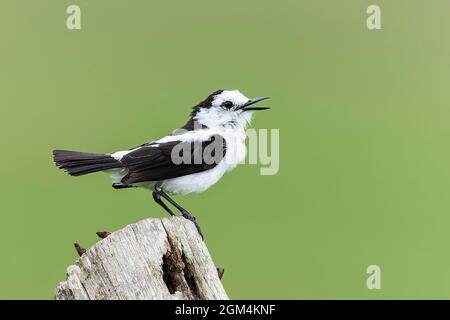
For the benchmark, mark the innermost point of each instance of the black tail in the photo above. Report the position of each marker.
(80, 163)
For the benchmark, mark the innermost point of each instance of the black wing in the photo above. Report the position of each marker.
(154, 161)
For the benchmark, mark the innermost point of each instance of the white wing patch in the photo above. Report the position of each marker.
(119, 154)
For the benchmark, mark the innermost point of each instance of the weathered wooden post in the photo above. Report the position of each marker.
(152, 259)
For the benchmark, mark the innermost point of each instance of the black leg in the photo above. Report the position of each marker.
(158, 200)
(186, 214)
(183, 211)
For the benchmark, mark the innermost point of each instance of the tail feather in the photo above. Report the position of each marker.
(80, 163)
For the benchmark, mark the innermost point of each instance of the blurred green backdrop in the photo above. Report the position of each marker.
(363, 116)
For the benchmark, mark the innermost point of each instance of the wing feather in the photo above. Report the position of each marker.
(154, 161)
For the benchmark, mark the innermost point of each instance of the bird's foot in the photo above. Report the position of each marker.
(103, 234)
(190, 217)
(80, 249)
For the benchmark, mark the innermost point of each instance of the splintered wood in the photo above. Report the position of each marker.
(152, 259)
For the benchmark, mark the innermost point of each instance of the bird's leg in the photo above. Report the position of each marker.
(158, 200)
(186, 214)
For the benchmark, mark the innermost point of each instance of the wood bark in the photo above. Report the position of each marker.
(151, 259)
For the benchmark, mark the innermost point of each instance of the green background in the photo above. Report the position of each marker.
(364, 138)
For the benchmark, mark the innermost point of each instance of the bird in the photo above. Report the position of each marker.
(189, 160)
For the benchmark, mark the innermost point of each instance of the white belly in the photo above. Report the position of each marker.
(197, 182)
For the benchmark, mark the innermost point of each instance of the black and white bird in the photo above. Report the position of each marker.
(191, 159)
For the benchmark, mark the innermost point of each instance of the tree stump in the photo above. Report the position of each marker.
(151, 259)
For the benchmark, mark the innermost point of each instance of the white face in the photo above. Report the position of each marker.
(229, 100)
(225, 111)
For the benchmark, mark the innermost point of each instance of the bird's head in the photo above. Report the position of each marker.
(226, 108)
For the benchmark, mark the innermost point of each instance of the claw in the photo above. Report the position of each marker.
(191, 218)
(80, 249)
(103, 234)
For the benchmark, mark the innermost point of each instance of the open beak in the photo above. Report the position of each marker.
(245, 107)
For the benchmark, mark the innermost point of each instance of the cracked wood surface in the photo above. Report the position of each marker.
(151, 259)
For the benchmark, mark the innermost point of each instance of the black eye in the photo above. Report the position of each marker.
(227, 104)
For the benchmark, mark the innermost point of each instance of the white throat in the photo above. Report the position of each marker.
(218, 119)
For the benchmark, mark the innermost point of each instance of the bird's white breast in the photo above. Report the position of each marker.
(199, 182)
